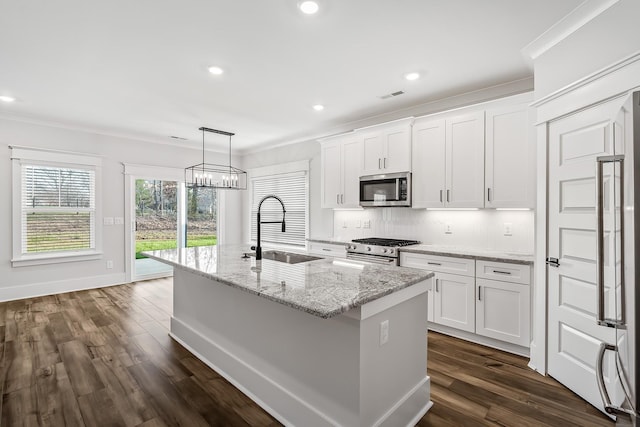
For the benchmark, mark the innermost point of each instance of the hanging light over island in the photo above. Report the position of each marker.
(209, 175)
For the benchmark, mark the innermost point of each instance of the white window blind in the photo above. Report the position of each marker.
(58, 209)
(292, 188)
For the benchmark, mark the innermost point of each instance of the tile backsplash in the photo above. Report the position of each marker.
(505, 231)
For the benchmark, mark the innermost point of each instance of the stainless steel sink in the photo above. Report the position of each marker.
(288, 257)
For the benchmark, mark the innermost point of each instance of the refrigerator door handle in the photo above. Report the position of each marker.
(602, 388)
(600, 315)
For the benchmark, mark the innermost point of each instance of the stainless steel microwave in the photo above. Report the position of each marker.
(391, 189)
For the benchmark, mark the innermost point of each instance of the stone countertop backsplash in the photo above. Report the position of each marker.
(454, 251)
(325, 287)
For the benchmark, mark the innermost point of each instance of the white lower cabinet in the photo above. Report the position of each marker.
(453, 301)
(489, 299)
(503, 311)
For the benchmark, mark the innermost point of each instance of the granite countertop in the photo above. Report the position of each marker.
(325, 287)
(454, 251)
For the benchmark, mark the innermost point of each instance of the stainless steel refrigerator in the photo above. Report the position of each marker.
(618, 181)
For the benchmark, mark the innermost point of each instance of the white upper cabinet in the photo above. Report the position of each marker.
(429, 158)
(465, 161)
(341, 159)
(510, 158)
(448, 162)
(387, 148)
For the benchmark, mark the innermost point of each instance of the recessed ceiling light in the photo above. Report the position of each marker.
(318, 107)
(216, 71)
(308, 7)
(412, 76)
(7, 99)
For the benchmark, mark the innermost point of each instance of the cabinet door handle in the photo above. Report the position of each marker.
(433, 263)
(326, 250)
(448, 192)
(342, 199)
(436, 285)
(379, 163)
(337, 199)
(384, 162)
(440, 196)
(488, 194)
(501, 272)
(479, 294)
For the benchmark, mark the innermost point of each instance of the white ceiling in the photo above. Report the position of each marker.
(139, 68)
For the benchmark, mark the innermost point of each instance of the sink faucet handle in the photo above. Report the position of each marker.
(253, 248)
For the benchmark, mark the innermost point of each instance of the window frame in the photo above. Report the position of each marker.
(57, 159)
(275, 170)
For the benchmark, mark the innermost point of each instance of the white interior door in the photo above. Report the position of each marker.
(575, 143)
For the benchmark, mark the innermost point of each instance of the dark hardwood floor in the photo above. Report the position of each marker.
(103, 358)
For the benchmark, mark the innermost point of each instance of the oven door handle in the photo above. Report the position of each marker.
(372, 258)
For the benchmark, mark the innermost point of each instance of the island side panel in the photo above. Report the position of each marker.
(394, 382)
(302, 369)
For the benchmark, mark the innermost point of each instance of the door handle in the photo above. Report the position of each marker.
(379, 163)
(337, 199)
(342, 199)
(600, 314)
(384, 162)
(479, 294)
(448, 196)
(488, 194)
(436, 285)
(440, 196)
(602, 387)
(553, 262)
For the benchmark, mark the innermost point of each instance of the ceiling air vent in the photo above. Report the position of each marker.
(391, 95)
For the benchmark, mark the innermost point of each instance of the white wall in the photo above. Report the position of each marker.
(17, 282)
(606, 39)
(482, 229)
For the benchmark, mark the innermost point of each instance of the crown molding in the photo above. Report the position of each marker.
(568, 25)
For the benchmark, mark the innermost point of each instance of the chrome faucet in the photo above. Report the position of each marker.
(257, 247)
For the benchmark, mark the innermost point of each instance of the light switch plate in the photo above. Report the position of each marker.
(448, 229)
(508, 229)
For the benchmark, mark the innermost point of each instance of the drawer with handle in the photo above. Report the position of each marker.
(327, 249)
(440, 264)
(504, 271)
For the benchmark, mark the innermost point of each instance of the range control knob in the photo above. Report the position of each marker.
(368, 248)
(384, 251)
(391, 251)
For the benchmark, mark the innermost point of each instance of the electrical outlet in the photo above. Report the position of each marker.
(344, 224)
(119, 220)
(109, 264)
(358, 223)
(384, 332)
(367, 223)
(508, 229)
(448, 229)
(107, 220)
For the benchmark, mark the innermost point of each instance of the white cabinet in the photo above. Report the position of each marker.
(341, 159)
(490, 299)
(336, 250)
(387, 148)
(503, 301)
(503, 311)
(448, 162)
(510, 158)
(451, 301)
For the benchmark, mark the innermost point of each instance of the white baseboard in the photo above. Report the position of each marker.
(33, 290)
(479, 339)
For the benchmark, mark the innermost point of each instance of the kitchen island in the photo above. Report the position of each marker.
(323, 342)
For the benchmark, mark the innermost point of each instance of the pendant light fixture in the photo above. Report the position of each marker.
(223, 177)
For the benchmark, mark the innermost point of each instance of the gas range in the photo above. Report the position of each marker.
(378, 250)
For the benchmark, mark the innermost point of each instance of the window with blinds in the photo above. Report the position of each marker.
(58, 209)
(292, 188)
